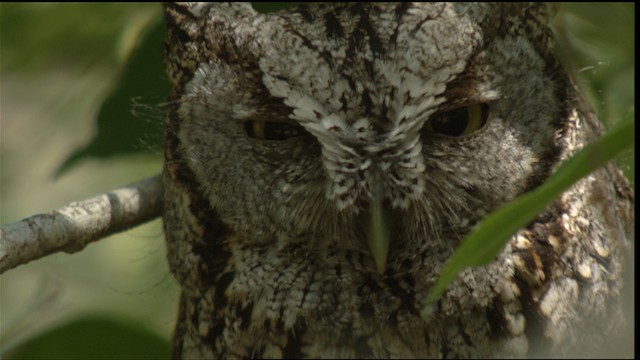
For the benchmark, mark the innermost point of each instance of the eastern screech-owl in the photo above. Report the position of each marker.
(323, 162)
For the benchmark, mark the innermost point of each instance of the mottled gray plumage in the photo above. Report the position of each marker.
(291, 132)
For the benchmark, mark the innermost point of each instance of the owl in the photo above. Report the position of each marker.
(323, 162)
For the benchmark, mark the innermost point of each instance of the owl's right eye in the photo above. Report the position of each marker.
(459, 122)
(273, 130)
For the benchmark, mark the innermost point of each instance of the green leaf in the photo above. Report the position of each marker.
(484, 243)
(94, 337)
(121, 131)
(39, 36)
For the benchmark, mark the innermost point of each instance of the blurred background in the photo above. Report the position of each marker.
(58, 64)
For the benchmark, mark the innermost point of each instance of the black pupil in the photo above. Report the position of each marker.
(452, 123)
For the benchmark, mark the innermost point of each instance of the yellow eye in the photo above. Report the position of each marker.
(273, 130)
(459, 122)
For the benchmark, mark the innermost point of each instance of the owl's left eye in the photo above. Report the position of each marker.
(273, 130)
(459, 122)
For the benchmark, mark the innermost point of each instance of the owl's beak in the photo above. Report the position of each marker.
(376, 223)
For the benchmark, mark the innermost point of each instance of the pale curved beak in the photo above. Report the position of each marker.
(376, 223)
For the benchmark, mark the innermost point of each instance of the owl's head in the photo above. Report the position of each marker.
(386, 129)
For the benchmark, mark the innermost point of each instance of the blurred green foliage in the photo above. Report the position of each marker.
(142, 80)
(85, 34)
(94, 337)
(597, 45)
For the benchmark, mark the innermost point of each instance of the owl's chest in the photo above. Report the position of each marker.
(329, 311)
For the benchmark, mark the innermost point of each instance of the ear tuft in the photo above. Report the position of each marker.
(181, 46)
(186, 23)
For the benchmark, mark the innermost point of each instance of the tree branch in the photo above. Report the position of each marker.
(74, 226)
